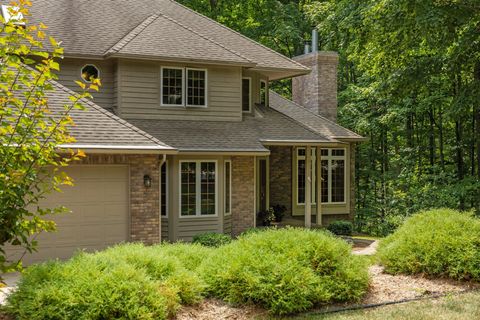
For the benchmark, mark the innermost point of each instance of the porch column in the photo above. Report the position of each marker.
(319, 186)
(308, 187)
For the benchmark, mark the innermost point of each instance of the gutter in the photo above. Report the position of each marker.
(119, 149)
(298, 142)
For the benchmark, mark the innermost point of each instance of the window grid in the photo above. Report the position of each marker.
(207, 179)
(188, 189)
(198, 188)
(333, 175)
(172, 86)
(196, 87)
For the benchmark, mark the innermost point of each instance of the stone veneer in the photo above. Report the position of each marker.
(317, 91)
(144, 202)
(243, 194)
(281, 177)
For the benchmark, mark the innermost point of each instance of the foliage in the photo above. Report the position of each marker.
(266, 216)
(279, 212)
(341, 227)
(285, 270)
(30, 133)
(441, 242)
(127, 281)
(376, 224)
(212, 239)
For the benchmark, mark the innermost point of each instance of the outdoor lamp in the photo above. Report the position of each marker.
(147, 181)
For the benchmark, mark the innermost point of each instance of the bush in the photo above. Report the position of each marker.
(439, 242)
(212, 239)
(127, 281)
(286, 270)
(341, 228)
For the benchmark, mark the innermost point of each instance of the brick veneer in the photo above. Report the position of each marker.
(281, 177)
(144, 202)
(243, 194)
(317, 91)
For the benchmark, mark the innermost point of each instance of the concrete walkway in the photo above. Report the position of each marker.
(10, 280)
(368, 251)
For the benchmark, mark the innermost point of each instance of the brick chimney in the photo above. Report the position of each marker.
(317, 91)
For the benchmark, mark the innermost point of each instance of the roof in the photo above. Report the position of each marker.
(313, 121)
(266, 126)
(160, 29)
(96, 128)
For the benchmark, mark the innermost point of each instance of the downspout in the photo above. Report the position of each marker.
(160, 165)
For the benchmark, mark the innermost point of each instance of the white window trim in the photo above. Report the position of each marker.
(229, 213)
(266, 91)
(166, 191)
(198, 214)
(183, 88)
(89, 64)
(313, 171)
(249, 94)
(186, 88)
(330, 158)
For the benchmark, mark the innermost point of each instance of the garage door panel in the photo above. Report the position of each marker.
(98, 218)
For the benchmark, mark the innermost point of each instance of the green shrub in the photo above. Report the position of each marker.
(285, 270)
(127, 281)
(439, 242)
(212, 239)
(341, 228)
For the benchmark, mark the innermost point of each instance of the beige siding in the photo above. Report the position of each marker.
(70, 71)
(255, 78)
(139, 93)
(189, 227)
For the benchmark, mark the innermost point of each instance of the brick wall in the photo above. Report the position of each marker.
(243, 194)
(144, 202)
(281, 177)
(317, 91)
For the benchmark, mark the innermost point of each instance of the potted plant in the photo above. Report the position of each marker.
(266, 216)
(279, 212)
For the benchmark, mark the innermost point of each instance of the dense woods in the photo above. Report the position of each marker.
(409, 81)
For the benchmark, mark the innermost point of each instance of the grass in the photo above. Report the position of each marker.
(458, 307)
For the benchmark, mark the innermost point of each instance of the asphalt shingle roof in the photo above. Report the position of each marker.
(97, 128)
(95, 27)
(266, 125)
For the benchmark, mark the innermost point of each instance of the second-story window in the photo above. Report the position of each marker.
(246, 94)
(184, 87)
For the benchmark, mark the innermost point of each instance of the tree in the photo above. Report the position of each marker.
(30, 133)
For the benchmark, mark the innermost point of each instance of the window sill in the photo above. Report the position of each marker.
(200, 217)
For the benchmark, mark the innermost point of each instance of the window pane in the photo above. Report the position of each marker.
(207, 181)
(301, 182)
(246, 94)
(338, 180)
(324, 165)
(324, 152)
(301, 152)
(188, 182)
(263, 92)
(196, 87)
(172, 86)
(227, 187)
(163, 196)
(338, 152)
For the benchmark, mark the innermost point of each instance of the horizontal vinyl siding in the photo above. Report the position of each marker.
(140, 94)
(187, 228)
(227, 224)
(165, 229)
(70, 71)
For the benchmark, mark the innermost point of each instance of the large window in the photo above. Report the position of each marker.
(246, 94)
(301, 175)
(163, 194)
(198, 188)
(333, 175)
(228, 187)
(184, 87)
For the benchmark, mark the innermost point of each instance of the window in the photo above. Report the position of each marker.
(246, 94)
(228, 187)
(198, 188)
(172, 86)
(90, 72)
(333, 175)
(301, 160)
(263, 92)
(163, 194)
(196, 87)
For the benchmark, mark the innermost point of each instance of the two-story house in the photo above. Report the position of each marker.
(210, 144)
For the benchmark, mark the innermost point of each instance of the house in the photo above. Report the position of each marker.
(185, 135)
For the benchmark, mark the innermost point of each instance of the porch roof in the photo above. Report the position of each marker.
(265, 126)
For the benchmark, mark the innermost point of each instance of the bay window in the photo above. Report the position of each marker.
(198, 188)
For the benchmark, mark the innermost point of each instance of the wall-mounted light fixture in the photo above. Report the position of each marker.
(147, 181)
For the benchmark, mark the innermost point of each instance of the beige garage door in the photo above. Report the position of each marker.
(99, 215)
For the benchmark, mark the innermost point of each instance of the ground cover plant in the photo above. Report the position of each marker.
(286, 270)
(212, 239)
(441, 242)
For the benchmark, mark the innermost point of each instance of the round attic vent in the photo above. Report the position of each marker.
(90, 72)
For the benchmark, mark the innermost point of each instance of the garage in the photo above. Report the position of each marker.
(99, 217)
